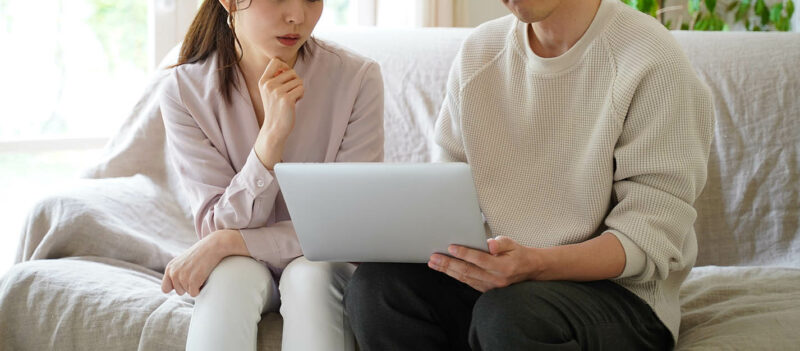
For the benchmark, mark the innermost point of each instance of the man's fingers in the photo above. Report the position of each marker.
(478, 285)
(458, 269)
(500, 245)
(476, 257)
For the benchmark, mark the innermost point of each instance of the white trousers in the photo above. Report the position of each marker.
(229, 307)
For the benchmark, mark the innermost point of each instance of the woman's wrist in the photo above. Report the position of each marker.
(269, 148)
(228, 242)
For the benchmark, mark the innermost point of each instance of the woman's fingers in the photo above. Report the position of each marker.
(166, 282)
(297, 93)
(284, 77)
(194, 288)
(178, 284)
(273, 67)
(289, 86)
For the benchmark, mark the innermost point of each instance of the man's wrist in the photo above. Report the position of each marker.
(540, 260)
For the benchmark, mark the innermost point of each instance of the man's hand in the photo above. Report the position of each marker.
(506, 263)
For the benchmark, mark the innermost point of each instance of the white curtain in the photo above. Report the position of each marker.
(436, 13)
(428, 13)
(407, 13)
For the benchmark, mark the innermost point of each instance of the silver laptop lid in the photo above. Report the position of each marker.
(380, 212)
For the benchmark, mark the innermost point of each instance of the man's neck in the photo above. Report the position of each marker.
(557, 33)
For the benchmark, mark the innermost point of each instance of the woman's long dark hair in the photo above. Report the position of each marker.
(211, 33)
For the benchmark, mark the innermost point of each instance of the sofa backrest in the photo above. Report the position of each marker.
(749, 212)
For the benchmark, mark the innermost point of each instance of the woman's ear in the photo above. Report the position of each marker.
(226, 4)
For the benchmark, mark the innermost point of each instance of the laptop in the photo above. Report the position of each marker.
(381, 212)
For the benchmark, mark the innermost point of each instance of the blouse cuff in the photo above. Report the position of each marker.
(276, 245)
(256, 178)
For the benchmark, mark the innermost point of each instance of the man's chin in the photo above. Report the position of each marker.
(528, 17)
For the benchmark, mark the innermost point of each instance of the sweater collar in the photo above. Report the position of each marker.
(539, 64)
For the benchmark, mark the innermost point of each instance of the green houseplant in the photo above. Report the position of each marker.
(713, 15)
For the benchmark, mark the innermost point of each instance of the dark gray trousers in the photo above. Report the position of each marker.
(412, 307)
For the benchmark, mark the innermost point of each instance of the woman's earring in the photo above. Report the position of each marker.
(229, 22)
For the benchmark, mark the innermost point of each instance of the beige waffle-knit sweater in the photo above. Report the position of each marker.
(612, 136)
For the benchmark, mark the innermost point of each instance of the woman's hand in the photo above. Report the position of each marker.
(187, 272)
(280, 89)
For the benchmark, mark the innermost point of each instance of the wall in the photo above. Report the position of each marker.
(470, 13)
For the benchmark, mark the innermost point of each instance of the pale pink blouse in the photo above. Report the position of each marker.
(210, 143)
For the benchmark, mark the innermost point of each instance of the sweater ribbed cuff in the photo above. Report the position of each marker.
(635, 257)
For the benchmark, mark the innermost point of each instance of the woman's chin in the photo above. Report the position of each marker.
(284, 54)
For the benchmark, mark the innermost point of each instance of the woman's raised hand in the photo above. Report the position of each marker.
(280, 89)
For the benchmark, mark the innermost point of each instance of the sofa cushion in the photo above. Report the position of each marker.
(746, 308)
(90, 302)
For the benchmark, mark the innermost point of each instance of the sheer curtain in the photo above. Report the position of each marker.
(437, 13)
(407, 13)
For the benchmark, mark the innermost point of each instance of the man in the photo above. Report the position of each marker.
(588, 135)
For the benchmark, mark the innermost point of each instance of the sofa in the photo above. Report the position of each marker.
(91, 257)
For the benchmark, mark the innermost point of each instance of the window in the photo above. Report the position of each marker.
(71, 70)
(70, 67)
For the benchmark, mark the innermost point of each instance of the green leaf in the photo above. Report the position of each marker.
(762, 11)
(731, 6)
(789, 9)
(775, 12)
(782, 24)
(720, 25)
(744, 9)
(711, 5)
(646, 5)
(701, 24)
(694, 6)
(760, 7)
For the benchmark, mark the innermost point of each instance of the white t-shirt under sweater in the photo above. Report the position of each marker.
(612, 136)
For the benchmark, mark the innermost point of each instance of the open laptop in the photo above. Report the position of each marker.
(381, 212)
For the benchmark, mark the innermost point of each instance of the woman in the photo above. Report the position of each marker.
(252, 89)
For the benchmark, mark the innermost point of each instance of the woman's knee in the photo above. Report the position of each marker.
(304, 276)
(237, 275)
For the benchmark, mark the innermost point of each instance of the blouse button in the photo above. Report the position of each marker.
(260, 183)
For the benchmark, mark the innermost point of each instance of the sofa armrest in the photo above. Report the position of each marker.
(130, 219)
